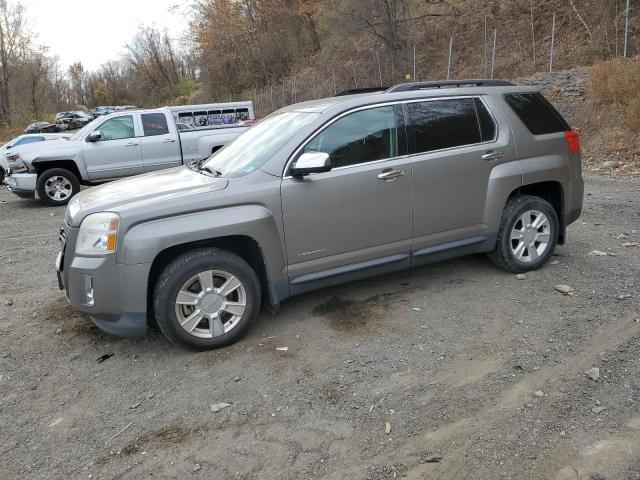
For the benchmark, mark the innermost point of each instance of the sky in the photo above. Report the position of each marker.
(95, 31)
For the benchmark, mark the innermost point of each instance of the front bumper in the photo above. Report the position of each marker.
(22, 184)
(114, 295)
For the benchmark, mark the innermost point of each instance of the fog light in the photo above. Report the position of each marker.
(89, 299)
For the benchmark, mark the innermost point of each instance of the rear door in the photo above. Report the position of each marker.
(117, 153)
(456, 144)
(159, 143)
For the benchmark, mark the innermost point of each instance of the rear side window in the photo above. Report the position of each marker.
(487, 125)
(154, 124)
(439, 124)
(535, 111)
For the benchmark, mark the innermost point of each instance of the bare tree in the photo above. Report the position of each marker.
(14, 41)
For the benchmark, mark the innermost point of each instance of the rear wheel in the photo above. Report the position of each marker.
(206, 299)
(56, 186)
(528, 234)
(2, 175)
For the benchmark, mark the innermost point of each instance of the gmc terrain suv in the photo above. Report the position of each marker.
(321, 193)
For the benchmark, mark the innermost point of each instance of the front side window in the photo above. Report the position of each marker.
(439, 124)
(117, 128)
(363, 136)
(154, 124)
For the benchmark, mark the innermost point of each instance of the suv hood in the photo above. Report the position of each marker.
(141, 190)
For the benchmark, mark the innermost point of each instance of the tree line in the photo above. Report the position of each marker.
(300, 49)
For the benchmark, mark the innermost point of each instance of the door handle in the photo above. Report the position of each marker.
(390, 174)
(130, 144)
(491, 155)
(169, 140)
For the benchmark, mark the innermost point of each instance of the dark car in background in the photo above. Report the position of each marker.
(72, 120)
(42, 127)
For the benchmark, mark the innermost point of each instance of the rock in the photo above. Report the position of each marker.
(630, 244)
(554, 262)
(610, 164)
(135, 405)
(539, 393)
(236, 379)
(387, 428)
(196, 467)
(216, 407)
(521, 276)
(597, 409)
(593, 374)
(598, 253)
(565, 289)
(58, 331)
(563, 433)
(9, 303)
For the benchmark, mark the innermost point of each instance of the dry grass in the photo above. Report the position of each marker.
(617, 82)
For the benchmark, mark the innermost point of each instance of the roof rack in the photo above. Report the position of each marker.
(354, 91)
(407, 87)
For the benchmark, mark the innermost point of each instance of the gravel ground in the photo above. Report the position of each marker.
(452, 371)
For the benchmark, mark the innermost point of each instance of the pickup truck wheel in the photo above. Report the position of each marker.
(206, 299)
(56, 186)
(2, 174)
(528, 234)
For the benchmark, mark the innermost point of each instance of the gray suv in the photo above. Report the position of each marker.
(321, 193)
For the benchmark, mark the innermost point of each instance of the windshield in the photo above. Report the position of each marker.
(253, 148)
(78, 135)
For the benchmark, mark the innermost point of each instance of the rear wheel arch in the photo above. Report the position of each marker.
(243, 246)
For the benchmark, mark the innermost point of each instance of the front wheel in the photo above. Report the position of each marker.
(56, 186)
(206, 298)
(2, 175)
(528, 234)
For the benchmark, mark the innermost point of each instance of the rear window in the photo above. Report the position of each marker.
(439, 124)
(538, 115)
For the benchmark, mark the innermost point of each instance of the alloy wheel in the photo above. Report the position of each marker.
(210, 303)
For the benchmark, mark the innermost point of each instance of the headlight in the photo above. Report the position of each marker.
(72, 210)
(98, 234)
(15, 163)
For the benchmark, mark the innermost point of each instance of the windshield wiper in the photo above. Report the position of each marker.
(213, 171)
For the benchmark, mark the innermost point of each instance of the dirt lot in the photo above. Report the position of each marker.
(478, 374)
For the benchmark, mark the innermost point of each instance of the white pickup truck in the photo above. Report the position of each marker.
(117, 145)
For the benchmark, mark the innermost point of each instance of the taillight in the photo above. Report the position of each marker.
(573, 141)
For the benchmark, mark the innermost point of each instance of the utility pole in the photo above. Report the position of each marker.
(553, 38)
(626, 28)
(449, 62)
(493, 55)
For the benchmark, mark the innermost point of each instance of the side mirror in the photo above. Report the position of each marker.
(311, 162)
(94, 136)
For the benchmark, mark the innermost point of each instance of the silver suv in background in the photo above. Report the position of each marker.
(321, 193)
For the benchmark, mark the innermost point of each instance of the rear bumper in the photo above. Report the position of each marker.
(22, 184)
(112, 294)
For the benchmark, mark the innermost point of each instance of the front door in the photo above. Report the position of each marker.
(117, 153)
(355, 219)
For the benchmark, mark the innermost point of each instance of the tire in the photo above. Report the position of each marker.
(56, 186)
(531, 247)
(183, 276)
(2, 175)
